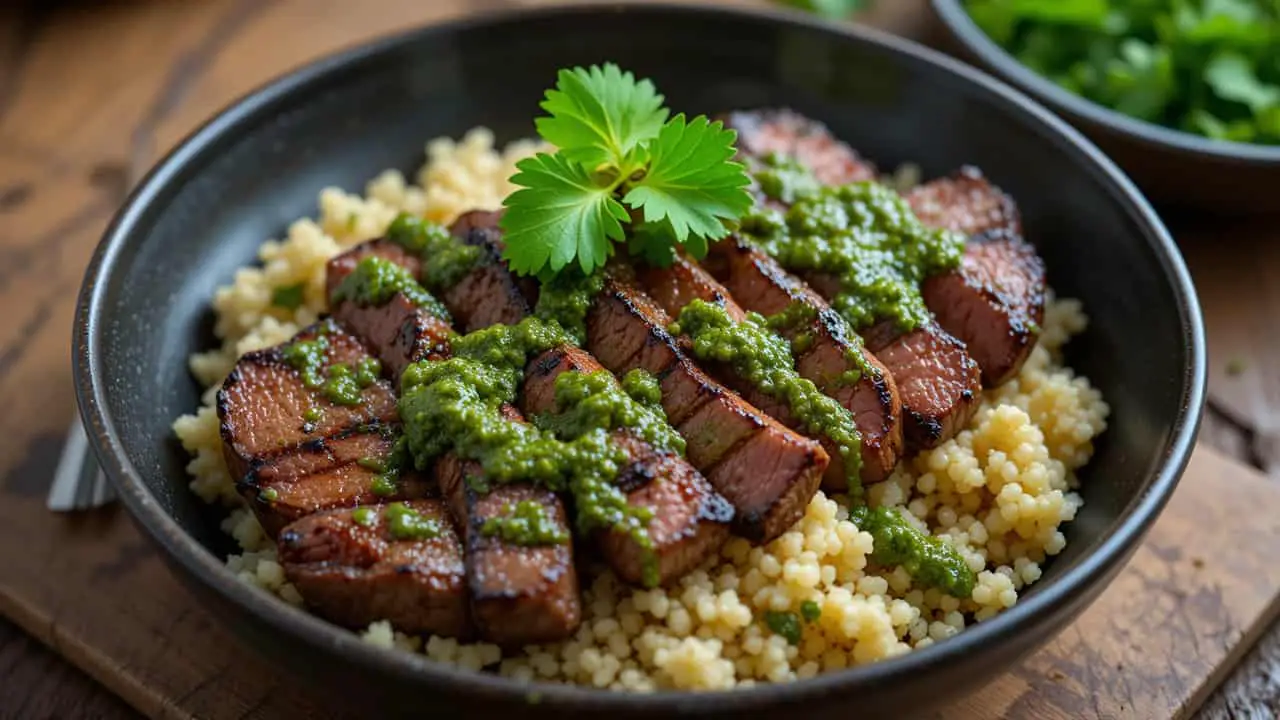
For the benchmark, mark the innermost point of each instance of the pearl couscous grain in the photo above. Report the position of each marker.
(1000, 491)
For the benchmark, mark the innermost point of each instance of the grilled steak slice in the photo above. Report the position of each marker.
(690, 520)
(327, 473)
(788, 133)
(995, 300)
(489, 294)
(674, 287)
(994, 303)
(966, 203)
(399, 331)
(938, 380)
(761, 285)
(288, 445)
(765, 470)
(264, 401)
(355, 574)
(520, 594)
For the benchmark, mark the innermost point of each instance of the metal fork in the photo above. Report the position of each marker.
(78, 483)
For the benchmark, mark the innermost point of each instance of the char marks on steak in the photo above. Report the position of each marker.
(761, 285)
(355, 574)
(994, 302)
(939, 382)
(287, 466)
(520, 594)
(400, 332)
(765, 470)
(685, 280)
(689, 519)
(786, 132)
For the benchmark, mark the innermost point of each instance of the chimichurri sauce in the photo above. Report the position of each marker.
(763, 358)
(338, 382)
(456, 405)
(449, 257)
(865, 236)
(930, 560)
(566, 298)
(525, 523)
(405, 523)
(374, 281)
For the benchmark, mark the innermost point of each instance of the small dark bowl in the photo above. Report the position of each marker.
(203, 211)
(1177, 170)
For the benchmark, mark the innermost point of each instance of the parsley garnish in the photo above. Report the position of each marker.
(620, 162)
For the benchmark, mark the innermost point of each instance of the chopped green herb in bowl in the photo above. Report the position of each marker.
(1209, 67)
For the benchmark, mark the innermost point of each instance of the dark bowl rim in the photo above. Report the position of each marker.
(966, 31)
(92, 386)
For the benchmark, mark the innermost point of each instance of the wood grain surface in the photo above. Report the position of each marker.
(92, 92)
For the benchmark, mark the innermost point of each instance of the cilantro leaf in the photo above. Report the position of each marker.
(692, 182)
(559, 214)
(600, 115)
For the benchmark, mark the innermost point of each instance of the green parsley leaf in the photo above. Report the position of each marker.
(692, 182)
(560, 213)
(1232, 77)
(289, 297)
(600, 115)
(655, 242)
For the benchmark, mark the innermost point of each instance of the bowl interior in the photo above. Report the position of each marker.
(263, 166)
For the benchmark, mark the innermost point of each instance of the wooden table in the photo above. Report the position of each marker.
(91, 93)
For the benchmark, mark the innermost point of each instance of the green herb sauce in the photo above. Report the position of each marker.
(527, 523)
(337, 382)
(269, 495)
(456, 404)
(386, 482)
(786, 624)
(763, 358)
(364, 517)
(810, 611)
(643, 387)
(931, 561)
(289, 297)
(566, 298)
(588, 401)
(375, 280)
(449, 258)
(782, 177)
(866, 237)
(405, 523)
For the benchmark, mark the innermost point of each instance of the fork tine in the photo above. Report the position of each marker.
(62, 494)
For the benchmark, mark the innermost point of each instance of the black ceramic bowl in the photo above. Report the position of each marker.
(1175, 169)
(203, 211)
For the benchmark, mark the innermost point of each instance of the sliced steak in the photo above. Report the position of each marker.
(761, 285)
(400, 332)
(765, 470)
(994, 303)
(966, 202)
(520, 595)
(355, 574)
(264, 401)
(788, 133)
(674, 287)
(489, 294)
(690, 520)
(327, 473)
(290, 449)
(938, 380)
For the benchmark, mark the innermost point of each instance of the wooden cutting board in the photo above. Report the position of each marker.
(1195, 596)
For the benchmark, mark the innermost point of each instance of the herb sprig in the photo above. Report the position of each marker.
(623, 171)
